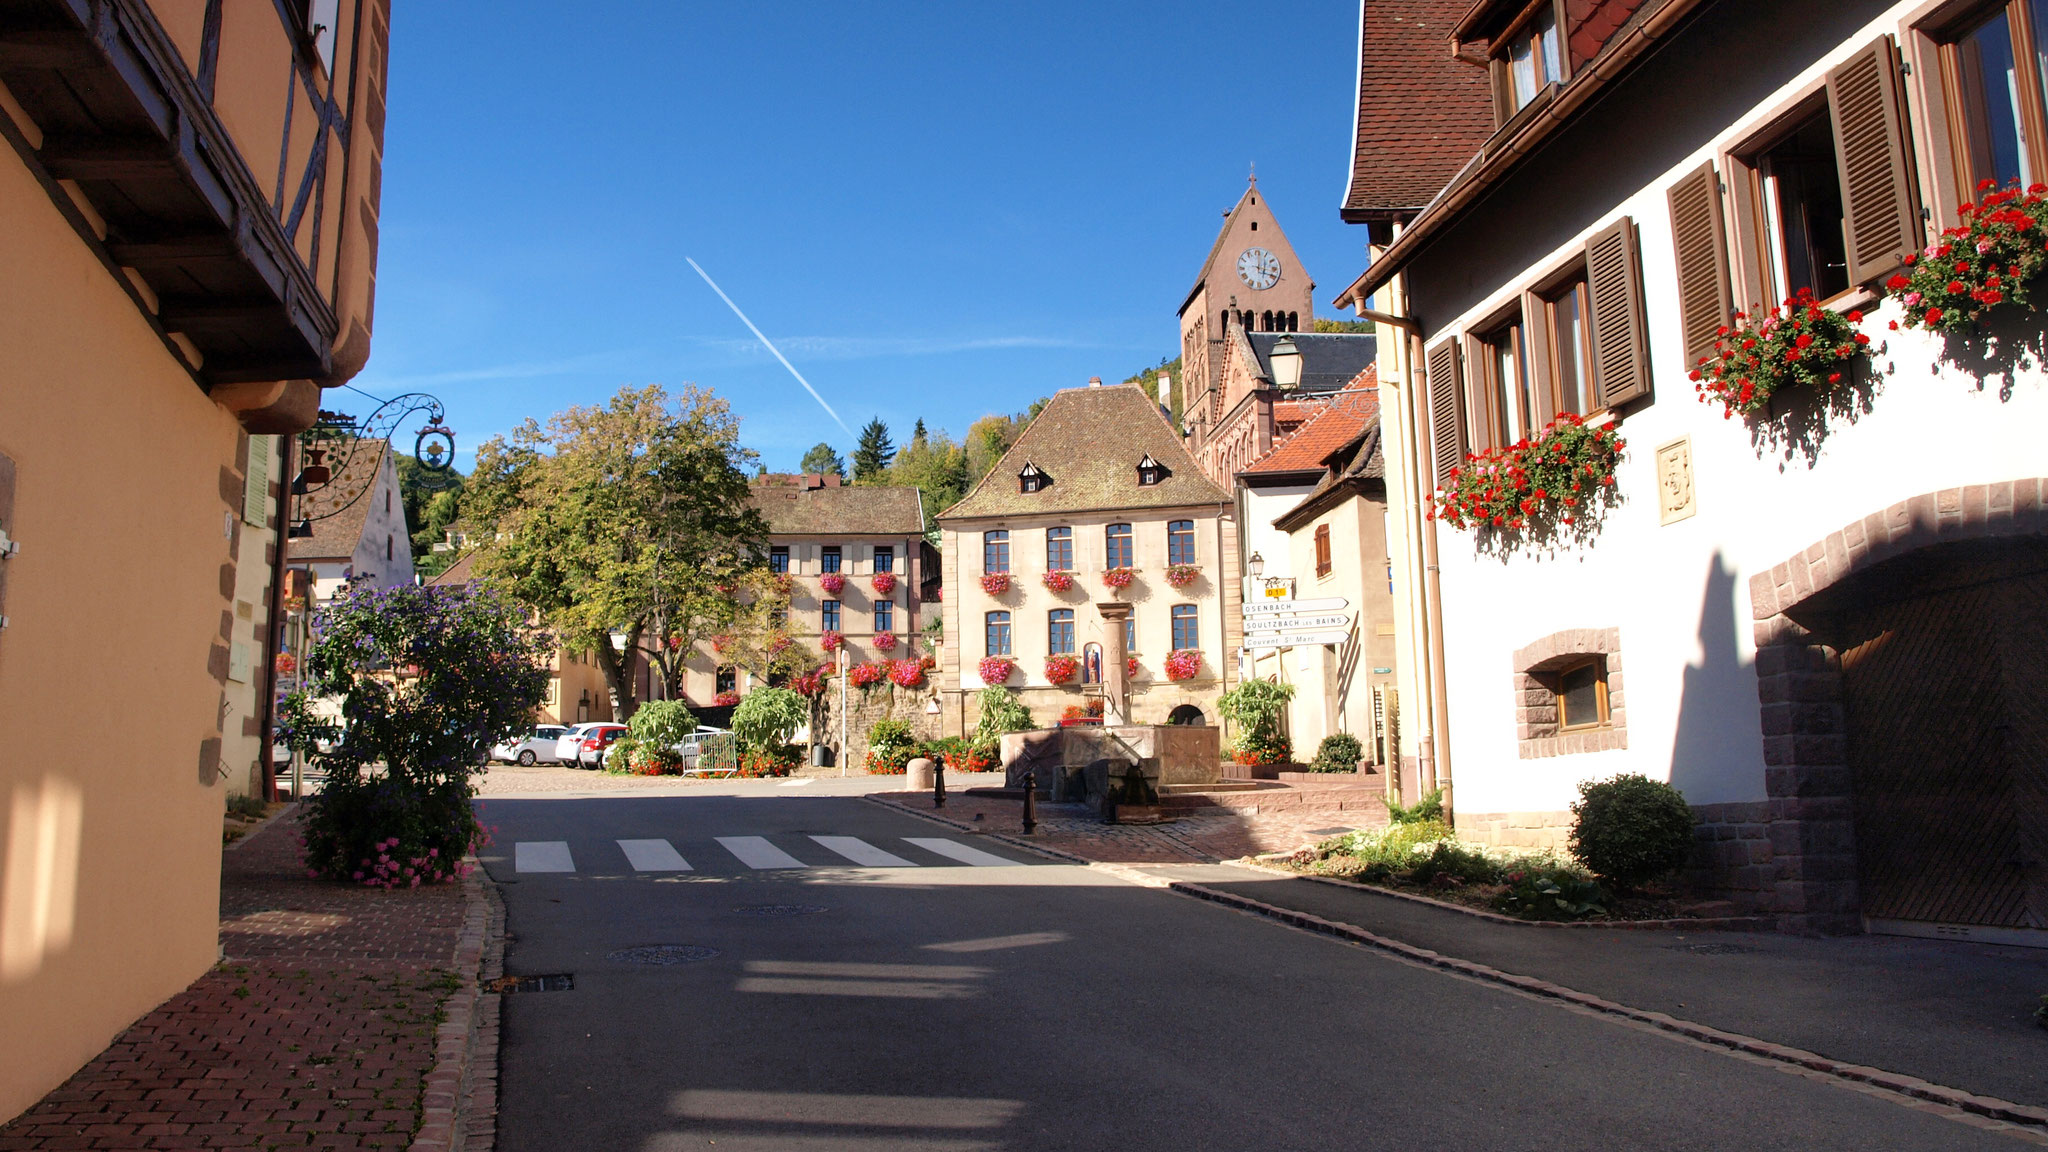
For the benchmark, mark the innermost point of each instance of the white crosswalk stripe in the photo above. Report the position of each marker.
(960, 852)
(861, 852)
(757, 852)
(653, 856)
(542, 856)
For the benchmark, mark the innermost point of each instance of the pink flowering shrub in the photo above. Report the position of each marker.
(907, 673)
(830, 641)
(865, 675)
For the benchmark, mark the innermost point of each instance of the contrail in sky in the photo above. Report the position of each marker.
(771, 346)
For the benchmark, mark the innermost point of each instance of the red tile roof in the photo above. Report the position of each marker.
(1421, 113)
(1346, 417)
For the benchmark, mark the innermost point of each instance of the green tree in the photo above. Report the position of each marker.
(821, 460)
(433, 504)
(766, 719)
(1149, 377)
(627, 526)
(936, 467)
(874, 452)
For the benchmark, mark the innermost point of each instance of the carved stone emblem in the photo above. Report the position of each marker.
(1675, 497)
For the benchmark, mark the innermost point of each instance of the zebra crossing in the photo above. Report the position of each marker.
(755, 853)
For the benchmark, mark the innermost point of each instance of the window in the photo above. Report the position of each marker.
(885, 616)
(1130, 635)
(778, 559)
(1180, 542)
(1117, 546)
(1994, 69)
(1059, 631)
(828, 558)
(1582, 695)
(1526, 61)
(1322, 549)
(1504, 379)
(1185, 634)
(1031, 479)
(1793, 226)
(387, 548)
(1150, 471)
(885, 558)
(831, 614)
(728, 680)
(997, 631)
(1571, 353)
(995, 551)
(1059, 549)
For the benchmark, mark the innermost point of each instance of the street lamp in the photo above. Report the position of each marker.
(1256, 565)
(1285, 359)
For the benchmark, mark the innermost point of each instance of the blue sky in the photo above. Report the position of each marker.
(935, 210)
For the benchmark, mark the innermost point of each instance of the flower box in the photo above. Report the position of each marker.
(1799, 342)
(1563, 477)
(1060, 669)
(995, 669)
(831, 642)
(883, 583)
(1183, 664)
(995, 583)
(865, 675)
(1182, 575)
(885, 641)
(1058, 581)
(907, 673)
(1118, 578)
(833, 583)
(725, 699)
(1130, 667)
(1991, 258)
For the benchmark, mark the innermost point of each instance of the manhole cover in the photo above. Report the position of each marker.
(778, 909)
(1714, 949)
(662, 954)
(559, 982)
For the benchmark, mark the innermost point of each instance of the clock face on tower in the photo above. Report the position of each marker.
(1258, 268)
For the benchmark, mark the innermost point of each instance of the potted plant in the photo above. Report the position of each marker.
(831, 642)
(1076, 714)
(1057, 581)
(906, 673)
(833, 583)
(1183, 664)
(1182, 575)
(865, 675)
(1117, 579)
(883, 583)
(1991, 259)
(1799, 342)
(1565, 476)
(995, 669)
(995, 583)
(885, 641)
(1061, 668)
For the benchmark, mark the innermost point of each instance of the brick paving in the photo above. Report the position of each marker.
(317, 1031)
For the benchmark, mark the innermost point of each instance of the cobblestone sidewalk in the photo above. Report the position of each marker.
(319, 1030)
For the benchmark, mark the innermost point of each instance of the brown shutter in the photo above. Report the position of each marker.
(1701, 248)
(1446, 409)
(1621, 348)
(1879, 196)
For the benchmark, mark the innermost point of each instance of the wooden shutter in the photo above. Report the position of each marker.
(256, 486)
(1701, 248)
(1878, 190)
(1446, 409)
(1614, 283)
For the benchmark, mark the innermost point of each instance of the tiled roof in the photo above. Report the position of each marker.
(1089, 440)
(337, 534)
(1364, 463)
(1421, 113)
(1348, 414)
(794, 509)
(461, 572)
(1329, 360)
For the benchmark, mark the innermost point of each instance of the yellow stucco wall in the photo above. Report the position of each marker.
(109, 867)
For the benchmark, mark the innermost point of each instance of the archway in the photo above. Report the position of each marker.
(1187, 715)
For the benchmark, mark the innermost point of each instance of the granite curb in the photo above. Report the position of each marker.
(444, 1098)
(2022, 1115)
(1695, 924)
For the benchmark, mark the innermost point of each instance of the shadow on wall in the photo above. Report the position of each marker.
(1718, 741)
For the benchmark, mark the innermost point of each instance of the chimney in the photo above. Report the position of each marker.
(1165, 392)
(1095, 381)
(813, 480)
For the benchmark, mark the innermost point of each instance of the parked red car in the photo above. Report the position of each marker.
(597, 738)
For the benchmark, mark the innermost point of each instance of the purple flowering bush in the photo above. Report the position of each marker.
(405, 690)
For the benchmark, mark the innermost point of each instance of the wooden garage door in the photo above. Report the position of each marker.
(1947, 698)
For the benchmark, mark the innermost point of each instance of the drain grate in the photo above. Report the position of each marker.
(1714, 949)
(662, 954)
(559, 982)
(779, 909)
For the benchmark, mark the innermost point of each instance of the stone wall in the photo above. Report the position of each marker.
(882, 702)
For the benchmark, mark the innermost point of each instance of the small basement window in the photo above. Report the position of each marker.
(1582, 695)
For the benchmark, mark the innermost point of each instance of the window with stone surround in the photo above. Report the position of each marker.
(1567, 692)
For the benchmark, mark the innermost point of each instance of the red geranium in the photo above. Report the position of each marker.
(995, 669)
(883, 582)
(833, 583)
(995, 583)
(1183, 664)
(1058, 581)
(1060, 669)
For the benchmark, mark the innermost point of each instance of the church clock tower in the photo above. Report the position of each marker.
(1251, 280)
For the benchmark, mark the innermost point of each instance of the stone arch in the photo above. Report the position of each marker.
(1187, 714)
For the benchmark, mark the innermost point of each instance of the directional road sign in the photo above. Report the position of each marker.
(1258, 640)
(1282, 607)
(1297, 623)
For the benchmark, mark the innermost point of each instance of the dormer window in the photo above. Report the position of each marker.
(1151, 472)
(1031, 479)
(1525, 62)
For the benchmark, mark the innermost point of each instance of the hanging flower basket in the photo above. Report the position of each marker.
(1184, 664)
(1118, 578)
(831, 642)
(1799, 342)
(995, 583)
(883, 582)
(885, 641)
(1060, 669)
(286, 663)
(995, 669)
(833, 583)
(725, 699)
(1564, 477)
(1182, 575)
(1990, 259)
(783, 583)
(906, 673)
(865, 675)
(1058, 581)
(1130, 667)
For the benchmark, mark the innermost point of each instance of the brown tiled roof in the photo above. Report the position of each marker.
(1364, 463)
(1421, 113)
(1341, 421)
(794, 509)
(336, 536)
(1089, 440)
(461, 572)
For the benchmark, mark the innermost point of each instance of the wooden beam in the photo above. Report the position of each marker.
(135, 159)
(181, 314)
(44, 48)
(178, 250)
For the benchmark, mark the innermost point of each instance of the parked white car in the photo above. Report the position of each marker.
(536, 747)
(571, 742)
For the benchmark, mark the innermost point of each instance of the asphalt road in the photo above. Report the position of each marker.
(945, 1006)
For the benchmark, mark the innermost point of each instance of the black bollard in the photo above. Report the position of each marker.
(938, 783)
(1030, 802)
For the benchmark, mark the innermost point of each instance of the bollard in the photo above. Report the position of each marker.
(1030, 802)
(939, 782)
